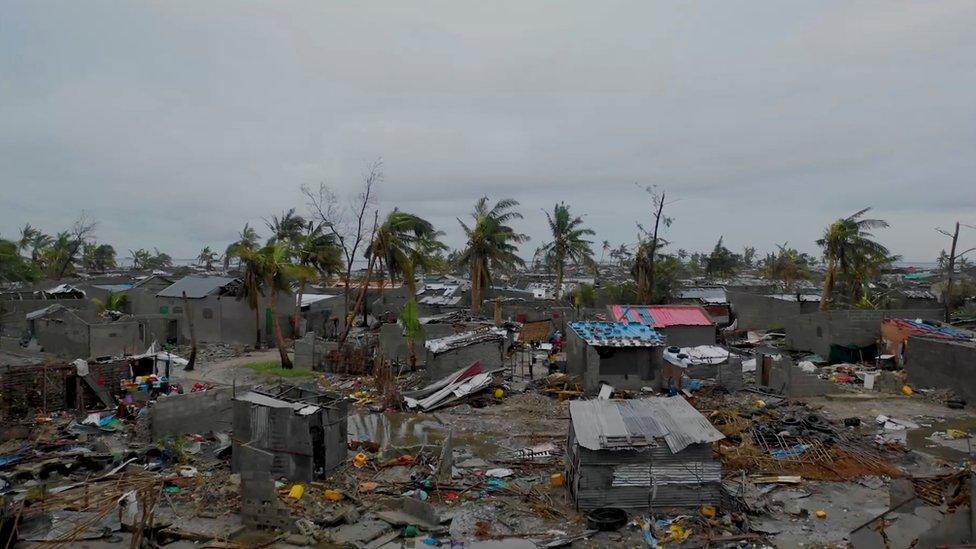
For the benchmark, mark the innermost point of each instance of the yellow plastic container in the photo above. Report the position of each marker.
(297, 491)
(360, 460)
(906, 390)
(499, 393)
(708, 511)
(556, 480)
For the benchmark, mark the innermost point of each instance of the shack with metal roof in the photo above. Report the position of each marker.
(626, 356)
(642, 454)
(682, 325)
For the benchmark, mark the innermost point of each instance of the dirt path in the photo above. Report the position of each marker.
(229, 371)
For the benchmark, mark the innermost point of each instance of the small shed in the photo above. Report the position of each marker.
(626, 356)
(682, 325)
(642, 454)
(289, 431)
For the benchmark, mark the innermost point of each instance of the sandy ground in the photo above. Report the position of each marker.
(227, 372)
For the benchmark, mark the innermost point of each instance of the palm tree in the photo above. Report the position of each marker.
(288, 228)
(491, 244)
(113, 302)
(846, 243)
(247, 239)
(621, 254)
(412, 329)
(404, 242)
(606, 248)
(269, 267)
(567, 243)
(206, 258)
(253, 279)
(317, 254)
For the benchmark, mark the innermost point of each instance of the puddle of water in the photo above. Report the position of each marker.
(400, 429)
(918, 439)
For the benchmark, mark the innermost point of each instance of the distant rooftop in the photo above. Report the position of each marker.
(615, 334)
(196, 287)
(660, 316)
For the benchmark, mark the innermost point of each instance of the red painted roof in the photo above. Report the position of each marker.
(661, 316)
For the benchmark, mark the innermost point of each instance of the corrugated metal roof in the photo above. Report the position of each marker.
(928, 329)
(463, 339)
(196, 286)
(616, 334)
(630, 424)
(706, 294)
(661, 316)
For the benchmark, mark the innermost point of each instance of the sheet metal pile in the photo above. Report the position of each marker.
(790, 439)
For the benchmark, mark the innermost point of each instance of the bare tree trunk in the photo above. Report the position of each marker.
(947, 299)
(650, 276)
(351, 315)
(257, 322)
(828, 287)
(412, 352)
(476, 286)
(279, 338)
(559, 278)
(188, 315)
(298, 306)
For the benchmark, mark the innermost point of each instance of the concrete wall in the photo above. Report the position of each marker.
(117, 338)
(64, 335)
(789, 380)
(489, 353)
(942, 364)
(226, 319)
(817, 331)
(192, 413)
(12, 312)
(689, 336)
(761, 312)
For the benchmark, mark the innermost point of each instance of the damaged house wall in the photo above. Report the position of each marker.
(816, 332)
(291, 432)
(197, 412)
(67, 334)
(621, 365)
(942, 363)
(762, 312)
(491, 355)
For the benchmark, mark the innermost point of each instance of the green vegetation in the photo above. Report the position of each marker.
(272, 369)
(491, 244)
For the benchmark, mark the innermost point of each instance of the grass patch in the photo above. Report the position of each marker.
(273, 369)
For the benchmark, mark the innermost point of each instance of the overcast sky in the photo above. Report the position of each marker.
(174, 123)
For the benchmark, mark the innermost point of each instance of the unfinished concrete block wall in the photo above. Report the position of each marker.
(489, 353)
(760, 312)
(788, 379)
(192, 413)
(942, 364)
(816, 332)
(117, 338)
(689, 336)
(66, 337)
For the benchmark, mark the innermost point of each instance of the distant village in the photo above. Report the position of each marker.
(339, 375)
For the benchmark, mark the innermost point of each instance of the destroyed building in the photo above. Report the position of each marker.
(71, 333)
(627, 356)
(845, 335)
(293, 432)
(942, 362)
(643, 454)
(449, 354)
(681, 325)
